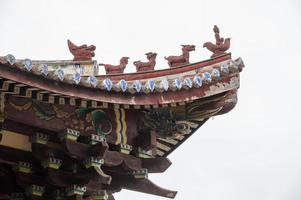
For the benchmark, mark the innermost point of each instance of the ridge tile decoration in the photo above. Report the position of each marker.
(137, 86)
(27, 64)
(81, 53)
(221, 45)
(92, 80)
(68, 132)
(174, 61)
(197, 80)
(10, 59)
(76, 78)
(116, 69)
(146, 66)
(44, 69)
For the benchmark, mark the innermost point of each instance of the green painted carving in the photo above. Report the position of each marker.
(52, 163)
(100, 195)
(94, 139)
(35, 190)
(163, 121)
(70, 134)
(17, 196)
(93, 162)
(75, 190)
(144, 153)
(39, 138)
(23, 167)
(100, 121)
(82, 119)
(125, 148)
(141, 174)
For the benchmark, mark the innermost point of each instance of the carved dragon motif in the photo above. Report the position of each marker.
(81, 53)
(163, 122)
(83, 119)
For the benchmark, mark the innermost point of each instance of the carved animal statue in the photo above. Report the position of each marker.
(174, 61)
(221, 45)
(81, 53)
(116, 69)
(146, 66)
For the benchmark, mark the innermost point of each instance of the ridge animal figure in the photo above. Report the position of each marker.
(116, 69)
(175, 61)
(221, 45)
(81, 53)
(146, 66)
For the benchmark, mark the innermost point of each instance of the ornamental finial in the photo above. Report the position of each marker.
(175, 61)
(146, 66)
(221, 45)
(81, 53)
(116, 69)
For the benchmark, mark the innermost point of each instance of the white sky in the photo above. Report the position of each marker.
(254, 152)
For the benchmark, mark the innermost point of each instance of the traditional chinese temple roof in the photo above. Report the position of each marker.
(60, 114)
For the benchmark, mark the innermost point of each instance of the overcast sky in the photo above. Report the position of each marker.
(253, 152)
